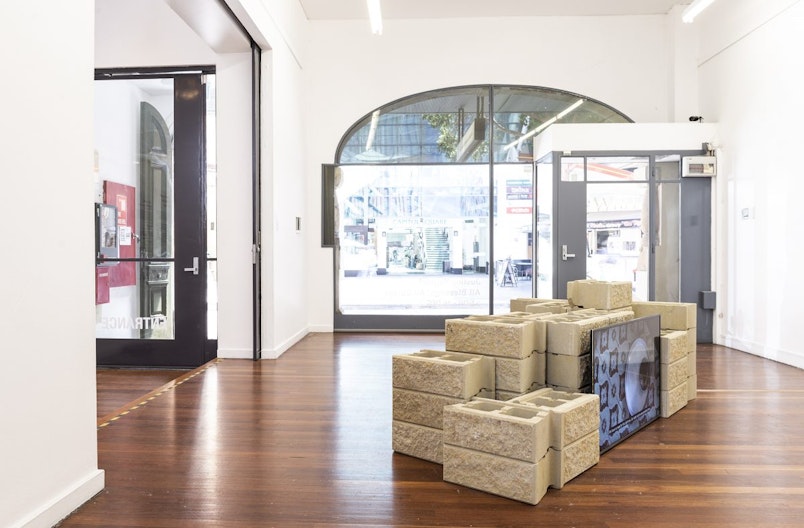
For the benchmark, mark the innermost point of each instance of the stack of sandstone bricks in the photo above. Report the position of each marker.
(678, 352)
(423, 384)
(517, 449)
(439, 395)
(677, 345)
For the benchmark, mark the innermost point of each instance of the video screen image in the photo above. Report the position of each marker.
(626, 376)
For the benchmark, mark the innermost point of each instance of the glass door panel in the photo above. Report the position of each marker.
(134, 142)
(667, 250)
(513, 234)
(617, 247)
(544, 228)
(151, 272)
(412, 240)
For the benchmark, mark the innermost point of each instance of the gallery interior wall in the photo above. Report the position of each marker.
(50, 463)
(750, 69)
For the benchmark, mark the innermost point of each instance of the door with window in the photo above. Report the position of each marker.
(155, 260)
(623, 217)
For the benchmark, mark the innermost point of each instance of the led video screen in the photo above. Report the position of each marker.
(626, 376)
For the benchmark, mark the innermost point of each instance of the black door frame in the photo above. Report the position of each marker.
(190, 346)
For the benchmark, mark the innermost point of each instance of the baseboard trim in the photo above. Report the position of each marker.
(764, 351)
(285, 345)
(235, 353)
(61, 507)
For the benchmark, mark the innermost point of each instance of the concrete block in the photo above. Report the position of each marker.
(494, 427)
(445, 373)
(519, 375)
(692, 339)
(503, 395)
(503, 337)
(673, 374)
(599, 294)
(571, 334)
(675, 316)
(569, 371)
(585, 390)
(422, 408)
(557, 306)
(673, 400)
(417, 441)
(572, 415)
(672, 346)
(515, 479)
(692, 363)
(692, 387)
(574, 459)
(518, 304)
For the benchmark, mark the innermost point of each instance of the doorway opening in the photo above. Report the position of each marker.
(155, 209)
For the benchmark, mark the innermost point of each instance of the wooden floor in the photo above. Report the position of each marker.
(305, 441)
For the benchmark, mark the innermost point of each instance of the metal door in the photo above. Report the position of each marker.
(151, 310)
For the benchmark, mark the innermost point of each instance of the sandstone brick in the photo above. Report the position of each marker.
(574, 459)
(587, 389)
(417, 441)
(503, 337)
(572, 415)
(557, 306)
(692, 387)
(519, 375)
(599, 294)
(692, 340)
(692, 363)
(515, 479)
(571, 334)
(673, 400)
(518, 304)
(672, 346)
(422, 408)
(673, 374)
(494, 427)
(569, 371)
(445, 373)
(503, 395)
(675, 316)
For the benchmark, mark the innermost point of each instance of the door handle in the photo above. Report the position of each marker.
(564, 254)
(194, 269)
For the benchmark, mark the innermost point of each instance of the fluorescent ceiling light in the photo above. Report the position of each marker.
(544, 125)
(375, 16)
(695, 9)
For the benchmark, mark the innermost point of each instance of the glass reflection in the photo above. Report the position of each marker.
(134, 184)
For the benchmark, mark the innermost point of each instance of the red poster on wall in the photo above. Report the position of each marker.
(124, 198)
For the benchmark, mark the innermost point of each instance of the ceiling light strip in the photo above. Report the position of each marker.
(375, 16)
(695, 9)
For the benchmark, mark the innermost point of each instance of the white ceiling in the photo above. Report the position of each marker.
(356, 9)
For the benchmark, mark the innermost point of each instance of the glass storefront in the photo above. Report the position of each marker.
(434, 200)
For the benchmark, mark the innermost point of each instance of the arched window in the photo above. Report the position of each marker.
(452, 125)
(432, 203)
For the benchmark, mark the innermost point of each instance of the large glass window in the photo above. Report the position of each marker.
(426, 183)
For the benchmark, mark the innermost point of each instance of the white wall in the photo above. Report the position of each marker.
(622, 61)
(280, 28)
(751, 71)
(149, 33)
(49, 460)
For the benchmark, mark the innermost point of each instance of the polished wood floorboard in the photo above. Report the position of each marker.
(305, 440)
(117, 388)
